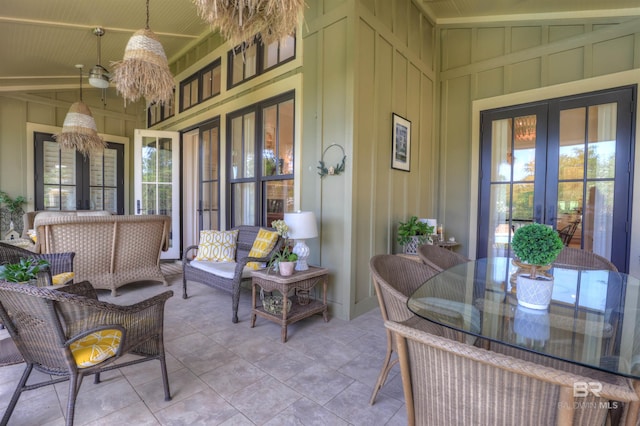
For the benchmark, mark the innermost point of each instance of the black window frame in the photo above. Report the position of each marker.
(199, 77)
(261, 212)
(237, 53)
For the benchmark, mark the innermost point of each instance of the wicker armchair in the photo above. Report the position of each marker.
(569, 257)
(395, 278)
(246, 237)
(44, 323)
(439, 258)
(58, 262)
(449, 382)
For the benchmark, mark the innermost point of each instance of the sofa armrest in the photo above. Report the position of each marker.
(185, 254)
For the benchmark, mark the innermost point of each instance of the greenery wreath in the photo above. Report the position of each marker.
(332, 170)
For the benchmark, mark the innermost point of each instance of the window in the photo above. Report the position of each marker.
(201, 86)
(159, 112)
(66, 180)
(246, 62)
(261, 158)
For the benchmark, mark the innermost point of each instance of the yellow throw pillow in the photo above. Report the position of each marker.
(62, 278)
(218, 245)
(96, 347)
(262, 246)
(32, 234)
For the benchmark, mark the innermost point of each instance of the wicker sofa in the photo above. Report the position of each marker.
(28, 219)
(111, 251)
(226, 276)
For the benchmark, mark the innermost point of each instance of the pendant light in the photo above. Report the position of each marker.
(240, 21)
(99, 76)
(79, 130)
(144, 70)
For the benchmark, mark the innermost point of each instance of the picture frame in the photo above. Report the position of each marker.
(401, 143)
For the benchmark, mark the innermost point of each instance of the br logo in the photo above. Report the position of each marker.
(582, 389)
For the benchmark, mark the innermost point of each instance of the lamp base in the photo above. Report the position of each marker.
(302, 250)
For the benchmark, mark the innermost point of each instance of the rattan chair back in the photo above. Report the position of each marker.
(453, 383)
(439, 258)
(395, 278)
(573, 257)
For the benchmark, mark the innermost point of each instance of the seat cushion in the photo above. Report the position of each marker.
(221, 269)
(263, 244)
(217, 245)
(96, 347)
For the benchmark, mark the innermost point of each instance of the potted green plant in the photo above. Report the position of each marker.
(285, 260)
(412, 234)
(24, 271)
(536, 246)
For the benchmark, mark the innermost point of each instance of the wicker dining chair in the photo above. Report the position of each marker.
(570, 256)
(449, 382)
(51, 328)
(439, 258)
(395, 278)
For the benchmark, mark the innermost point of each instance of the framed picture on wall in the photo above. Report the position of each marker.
(401, 143)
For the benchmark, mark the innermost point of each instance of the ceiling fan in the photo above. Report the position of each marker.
(99, 76)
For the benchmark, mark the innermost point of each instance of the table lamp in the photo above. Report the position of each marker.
(302, 225)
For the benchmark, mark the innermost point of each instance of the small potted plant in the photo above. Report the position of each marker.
(536, 247)
(413, 233)
(25, 271)
(285, 259)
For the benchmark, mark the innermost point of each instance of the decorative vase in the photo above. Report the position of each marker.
(534, 293)
(286, 268)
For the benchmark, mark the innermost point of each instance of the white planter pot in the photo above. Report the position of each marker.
(412, 246)
(534, 293)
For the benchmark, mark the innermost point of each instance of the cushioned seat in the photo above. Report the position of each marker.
(221, 269)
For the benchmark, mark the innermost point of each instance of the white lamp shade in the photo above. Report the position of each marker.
(302, 225)
(98, 77)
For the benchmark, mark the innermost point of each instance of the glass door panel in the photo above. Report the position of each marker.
(59, 177)
(513, 163)
(66, 180)
(157, 181)
(209, 161)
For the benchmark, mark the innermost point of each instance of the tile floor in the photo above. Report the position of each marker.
(222, 373)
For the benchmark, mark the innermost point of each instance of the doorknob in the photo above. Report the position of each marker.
(137, 206)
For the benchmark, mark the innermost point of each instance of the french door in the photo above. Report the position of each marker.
(66, 180)
(563, 162)
(156, 180)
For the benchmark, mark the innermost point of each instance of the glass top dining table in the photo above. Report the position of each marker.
(593, 319)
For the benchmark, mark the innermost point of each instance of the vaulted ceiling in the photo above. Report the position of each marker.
(41, 41)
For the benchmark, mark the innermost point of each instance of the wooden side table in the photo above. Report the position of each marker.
(300, 280)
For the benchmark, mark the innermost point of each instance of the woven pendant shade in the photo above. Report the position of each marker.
(144, 71)
(240, 20)
(79, 131)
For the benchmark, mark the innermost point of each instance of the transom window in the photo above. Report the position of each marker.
(246, 62)
(160, 112)
(201, 86)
